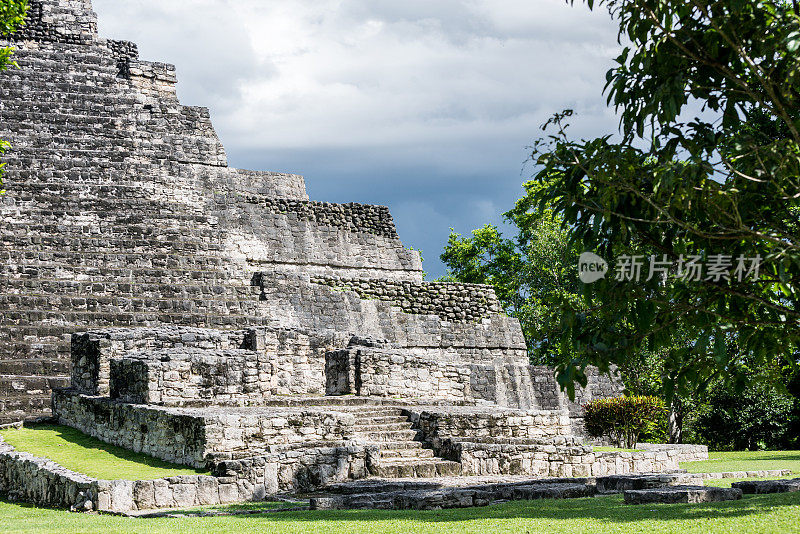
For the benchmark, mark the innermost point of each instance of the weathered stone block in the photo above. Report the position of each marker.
(682, 494)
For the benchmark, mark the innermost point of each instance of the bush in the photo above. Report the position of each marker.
(623, 419)
(757, 418)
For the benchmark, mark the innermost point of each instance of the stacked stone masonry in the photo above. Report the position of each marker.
(451, 302)
(218, 317)
(352, 217)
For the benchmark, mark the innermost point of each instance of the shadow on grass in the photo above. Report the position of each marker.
(603, 509)
(79, 439)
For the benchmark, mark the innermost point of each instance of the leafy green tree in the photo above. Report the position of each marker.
(724, 186)
(534, 273)
(12, 15)
(758, 417)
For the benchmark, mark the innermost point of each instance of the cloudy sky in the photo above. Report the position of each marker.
(426, 106)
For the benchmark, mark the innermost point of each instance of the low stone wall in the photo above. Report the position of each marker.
(38, 481)
(302, 469)
(479, 423)
(283, 361)
(170, 436)
(42, 482)
(622, 463)
(295, 360)
(183, 376)
(191, 436)
(680, 452)
(516, 457)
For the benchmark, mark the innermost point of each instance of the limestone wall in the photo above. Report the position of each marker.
(219, 377)
(172, 437)
(92, 352)
(385, 370)
(38, 481)
(60, 21)
(293, 302)
(396, 373)
(467, 303)
(317, 238)
(472, 423)
(544, 460)
(192, 436)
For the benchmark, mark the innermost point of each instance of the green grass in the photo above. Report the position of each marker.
(243, 507)
(763, 514)
(84, 454)
(719, 462)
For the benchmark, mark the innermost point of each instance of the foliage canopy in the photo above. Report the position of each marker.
(725, 183)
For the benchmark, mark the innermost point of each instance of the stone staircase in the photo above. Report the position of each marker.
(401, 455)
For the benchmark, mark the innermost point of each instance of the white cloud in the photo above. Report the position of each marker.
(453, 88)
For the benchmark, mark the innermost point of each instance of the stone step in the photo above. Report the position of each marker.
(41, 291)
(414, 468)
(393, 435)
(433, 495)
(45, 208)
(378, 411)
(185, 231)
(35, 367)
(381, 419)
(68, 321)
(384, 427)
(682, 494)
(118, 264)
(406, 453)
(46, 308)
(399, 445)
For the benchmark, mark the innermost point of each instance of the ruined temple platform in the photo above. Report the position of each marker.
(161, 300)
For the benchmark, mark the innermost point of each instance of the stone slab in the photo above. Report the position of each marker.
(768, 486)
(453, 497)
(620, 483)
(682, 494)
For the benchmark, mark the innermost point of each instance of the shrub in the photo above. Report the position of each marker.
(623, 419)
(759, 417)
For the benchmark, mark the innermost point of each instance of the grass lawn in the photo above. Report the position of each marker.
(763, 514)
(746, 461)
(84, 454)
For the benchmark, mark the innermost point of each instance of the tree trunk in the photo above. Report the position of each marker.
(675, 423)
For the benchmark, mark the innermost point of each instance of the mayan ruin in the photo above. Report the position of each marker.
(159, 300)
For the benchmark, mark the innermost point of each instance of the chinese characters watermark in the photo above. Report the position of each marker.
(690, 268)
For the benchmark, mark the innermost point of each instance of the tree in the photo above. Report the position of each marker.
(533, 273)
(720, 192)
(759, 417)
(12, 15)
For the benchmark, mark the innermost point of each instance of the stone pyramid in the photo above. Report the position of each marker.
(121, 211)
(160, 300)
